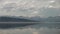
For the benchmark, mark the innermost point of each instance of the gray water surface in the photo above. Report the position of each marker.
(42, 28)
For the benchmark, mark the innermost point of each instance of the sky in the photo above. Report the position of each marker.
(30, 8)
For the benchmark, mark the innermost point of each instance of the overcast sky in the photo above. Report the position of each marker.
(43, 8)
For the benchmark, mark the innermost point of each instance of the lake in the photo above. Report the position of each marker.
(42, 28)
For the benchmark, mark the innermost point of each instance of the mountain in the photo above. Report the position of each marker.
(36, 18)
(14, 19)
(53, 19)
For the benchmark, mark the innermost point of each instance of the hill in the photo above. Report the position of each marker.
(14, 19)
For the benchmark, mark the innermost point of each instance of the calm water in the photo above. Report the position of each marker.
(42, 28)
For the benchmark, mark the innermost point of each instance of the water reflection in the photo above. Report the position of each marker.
(47, 28)
(42, 30)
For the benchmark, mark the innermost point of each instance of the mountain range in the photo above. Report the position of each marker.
(14, 19)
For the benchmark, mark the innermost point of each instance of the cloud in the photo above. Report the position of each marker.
(27, 7)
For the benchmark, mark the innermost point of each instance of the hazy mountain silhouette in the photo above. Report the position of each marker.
(14, 19)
